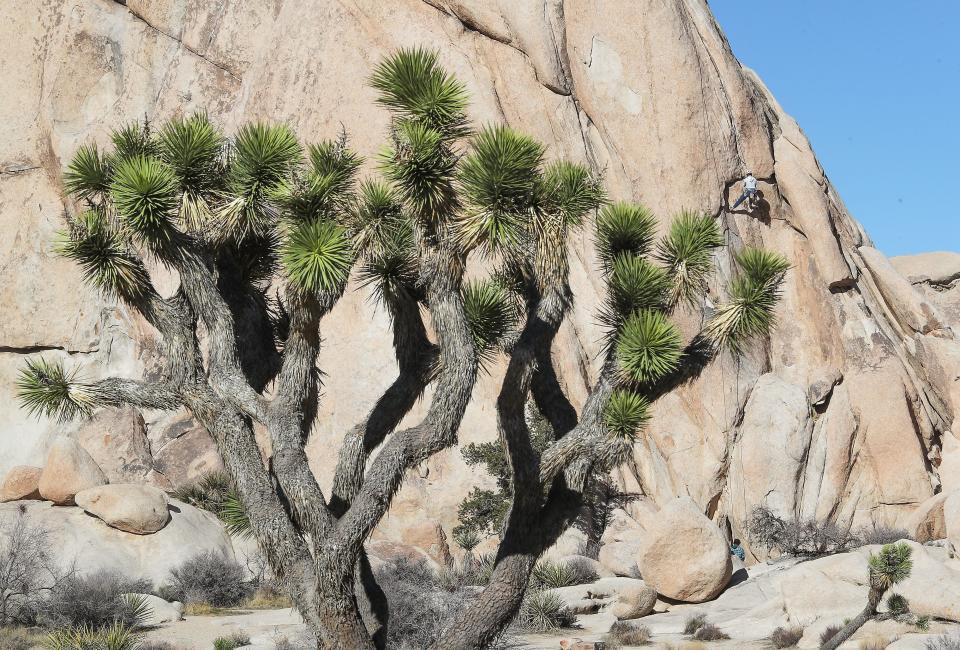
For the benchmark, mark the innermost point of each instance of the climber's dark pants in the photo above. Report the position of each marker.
(743, 196)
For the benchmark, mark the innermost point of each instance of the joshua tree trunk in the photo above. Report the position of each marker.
(856, 623)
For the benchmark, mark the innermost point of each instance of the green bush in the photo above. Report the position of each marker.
(923, 623)
(208, 578)
(786, 637)
(235, 640)
(544, 611)
(548, 574)
(897, 604)
(116, 636)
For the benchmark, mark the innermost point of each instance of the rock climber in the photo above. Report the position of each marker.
(736, 549)
(749, 191)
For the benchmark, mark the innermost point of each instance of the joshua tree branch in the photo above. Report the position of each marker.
(151, 395)
(416, 361)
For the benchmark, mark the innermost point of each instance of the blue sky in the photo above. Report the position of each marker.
(875, 85)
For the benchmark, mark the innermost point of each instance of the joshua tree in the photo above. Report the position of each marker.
(234, 218)
(892, 564)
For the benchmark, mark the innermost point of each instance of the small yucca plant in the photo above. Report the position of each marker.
(114, 637)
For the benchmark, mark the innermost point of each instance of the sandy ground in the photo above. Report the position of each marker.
(267, 627)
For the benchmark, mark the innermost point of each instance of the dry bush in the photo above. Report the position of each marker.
(208, 578)
(19, 638)
(583, 571)
(709, 632)
(694, 623)
(626, 633)
(881, 534)
(421, 606)
(798, 537)
(876, 642)
(786, 637)
(28, 570)
(944, 642)
(829, 633)
(97, 600)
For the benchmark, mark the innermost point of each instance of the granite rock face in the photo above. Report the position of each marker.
(845, 398)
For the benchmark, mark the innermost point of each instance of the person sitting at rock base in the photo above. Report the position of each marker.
(736, 549)
(749, 192)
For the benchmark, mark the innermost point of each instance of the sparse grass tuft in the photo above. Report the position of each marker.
(709, 632)
(943, 642)
(876, 642)
(694, 623)
(829, 633)
(235, 640)
(19, 638)
(626, 633)
(786, 637)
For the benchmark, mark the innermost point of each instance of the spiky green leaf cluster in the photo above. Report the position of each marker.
(570, 191)
(626, 414)
(624, 229)
(648, 346)
(192, 148)
(421, 166)
(327, 190)
(413, 85)
(687, 254)
(634, 284)
(754, 293)
(45, 388)
(133, 140)
(263, 157)
(103, 256)
(144, 193)
(890, 565)
(88, 175)
(384, 236)
(498, 179)
(491, 313)
(316, 257)
(234, 515)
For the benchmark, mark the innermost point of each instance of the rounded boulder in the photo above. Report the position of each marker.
(138, 509)
(69, 469)
(685, 556)
(21, 482)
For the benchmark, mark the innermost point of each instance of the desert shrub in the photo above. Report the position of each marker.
(944, 642)
(548, 574)
(19, 638)
(97, 601)
(421, 604)
(881, 534)
(897, 604)
(694, 623)
(267, 599)
(786, 637)
(116, 636)
(923, 623)
(208, 578)
(626, 633)
(583, 571)
(709, 632)
(544, 611)
(829, 633)
(876, 643)
(283, 643)
(798, 537)
(28, 570)
(235, 640)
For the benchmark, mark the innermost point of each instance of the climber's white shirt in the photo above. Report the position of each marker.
(749, 183)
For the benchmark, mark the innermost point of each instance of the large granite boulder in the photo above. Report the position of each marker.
(685, 556)
(21, 482)
(90, 545)
(69, 469)
(591, 85)
(138, 509)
